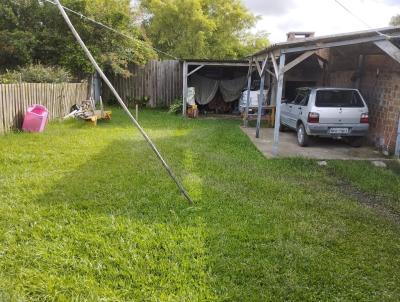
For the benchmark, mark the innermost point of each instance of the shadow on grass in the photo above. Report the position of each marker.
(117, 228)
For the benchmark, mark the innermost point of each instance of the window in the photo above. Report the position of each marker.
(302, 97)
(338, 98)
(304, 101)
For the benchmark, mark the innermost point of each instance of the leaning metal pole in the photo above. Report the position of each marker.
(105, 79)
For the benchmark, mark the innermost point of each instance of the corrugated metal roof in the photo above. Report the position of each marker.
(331, 38)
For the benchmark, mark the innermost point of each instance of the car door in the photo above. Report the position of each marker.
(284, 112)
(301, 107)
(293, 109)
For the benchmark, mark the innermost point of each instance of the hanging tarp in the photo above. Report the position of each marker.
(231, 90)
(205, 88)
(191, 96)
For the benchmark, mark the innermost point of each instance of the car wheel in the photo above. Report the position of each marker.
(355, 141)
(302, 136)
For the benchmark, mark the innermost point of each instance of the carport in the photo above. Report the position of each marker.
(211, 76)
(366, 55)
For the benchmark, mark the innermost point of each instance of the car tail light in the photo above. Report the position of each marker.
(364, 118)
(313, 117)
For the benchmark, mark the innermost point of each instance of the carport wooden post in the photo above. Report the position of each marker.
(185, 87)
(260, 102)
(275, 148)
(274, 79)
(261, 71)
(246, 114)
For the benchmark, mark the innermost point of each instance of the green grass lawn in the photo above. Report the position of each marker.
(89, 214)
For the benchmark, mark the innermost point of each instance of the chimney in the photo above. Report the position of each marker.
(296, 35)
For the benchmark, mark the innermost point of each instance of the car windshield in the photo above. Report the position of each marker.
(338, 98)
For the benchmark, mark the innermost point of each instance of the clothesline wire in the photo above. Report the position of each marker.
(362, 21)
(113, 30)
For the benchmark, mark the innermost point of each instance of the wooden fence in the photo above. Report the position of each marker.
(58, 98)
(159, 80)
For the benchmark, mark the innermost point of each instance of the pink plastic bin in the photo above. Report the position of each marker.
(35, 119)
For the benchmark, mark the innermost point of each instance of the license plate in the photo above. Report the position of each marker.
(338, 130)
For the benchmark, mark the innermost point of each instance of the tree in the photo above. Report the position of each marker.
(34, 31)
(395, 20)
(201, 28)
(254, 42)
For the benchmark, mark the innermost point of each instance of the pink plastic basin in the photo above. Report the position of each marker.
(35, 119)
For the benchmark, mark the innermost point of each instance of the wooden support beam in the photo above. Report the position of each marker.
(275, 148)
(275, 66)
(270, 72)
(298, 60)
(264, 64)
(261, 96)
(258, 67)
(388, 47)
(185, 88)
(246, 114)
(261, 68)
(274, 88)
(196, 69)
(260, 101)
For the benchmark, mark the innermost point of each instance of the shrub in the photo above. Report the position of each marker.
(36, 74)
(176, 107)
(142, 101)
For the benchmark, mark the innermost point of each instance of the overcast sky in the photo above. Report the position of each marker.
(322, 16)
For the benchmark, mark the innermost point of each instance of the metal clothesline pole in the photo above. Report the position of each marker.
(120, 101)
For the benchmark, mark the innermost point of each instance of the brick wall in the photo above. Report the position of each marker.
(380, 86)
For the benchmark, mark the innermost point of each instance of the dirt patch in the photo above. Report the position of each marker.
(376, 202)
(394, 166)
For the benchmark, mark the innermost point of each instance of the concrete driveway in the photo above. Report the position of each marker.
(319, 148)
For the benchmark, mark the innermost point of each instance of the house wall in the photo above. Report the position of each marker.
(379, 83)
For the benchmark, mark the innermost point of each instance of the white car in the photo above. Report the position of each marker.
(253, 102)
(326, 112)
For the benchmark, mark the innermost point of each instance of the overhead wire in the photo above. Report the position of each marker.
(362, 21)
(113, 30)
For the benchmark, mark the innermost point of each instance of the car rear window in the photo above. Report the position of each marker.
(338, 98)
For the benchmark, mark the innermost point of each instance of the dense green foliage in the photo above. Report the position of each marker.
(89, 214)
(36, 74)
(395, 21)
(176, 107)
(202, 28)
(33, 31)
